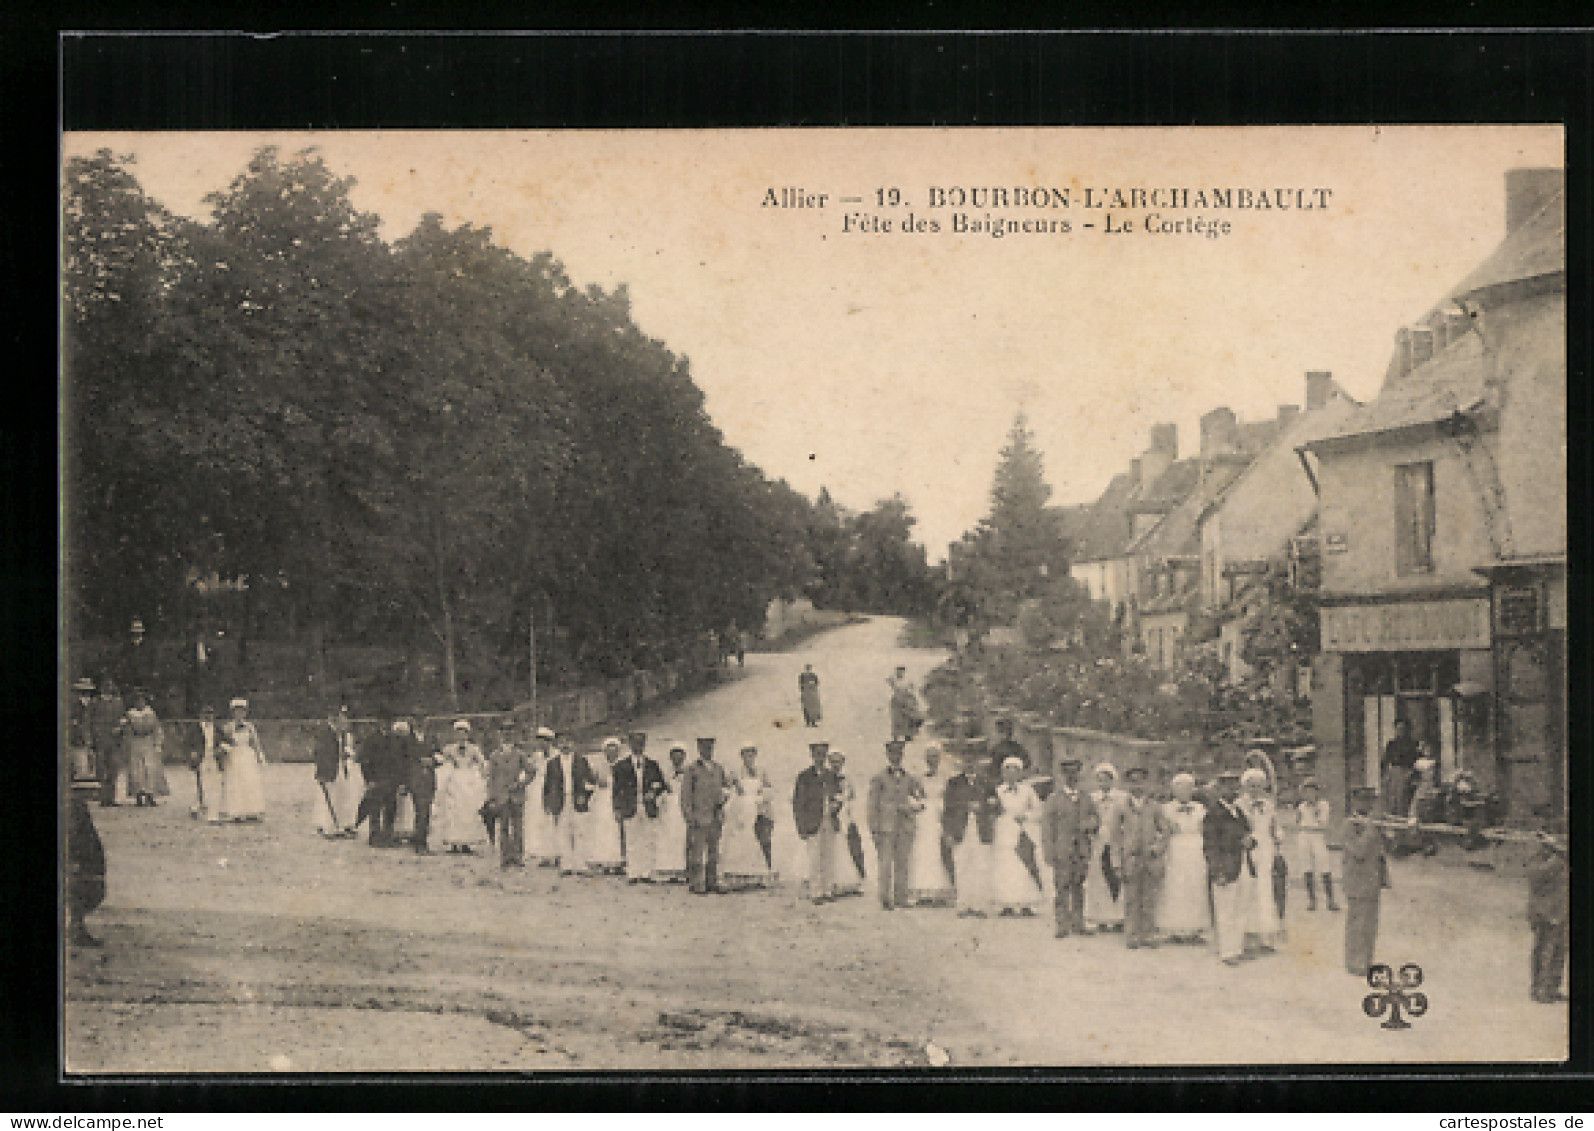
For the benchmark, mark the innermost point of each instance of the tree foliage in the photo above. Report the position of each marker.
(429, 441)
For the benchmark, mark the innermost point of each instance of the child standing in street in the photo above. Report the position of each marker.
(1312, 841)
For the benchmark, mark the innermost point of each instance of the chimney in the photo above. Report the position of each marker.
(1402, 352)
(1422, 345)
(1135, 471)
(1165, 438)
(1527, 191)
(1220, 432)
(1287, 415)
(1319, 388)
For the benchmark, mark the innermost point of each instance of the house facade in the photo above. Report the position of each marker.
(1442, 524)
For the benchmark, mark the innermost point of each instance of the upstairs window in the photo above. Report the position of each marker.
(1414, 517)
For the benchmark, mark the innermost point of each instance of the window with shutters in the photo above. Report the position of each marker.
(1414, 518)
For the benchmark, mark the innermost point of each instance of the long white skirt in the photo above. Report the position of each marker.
(541, 845)
(1012, 885)
(1183, 908)
(345, 794)
(600, 833)
(927, 878)
(245, 796)
(741, 857)
(214, 785)
(669, 845)
(973, 862)
(1100, 905)
(456, 813)
(1259, 914)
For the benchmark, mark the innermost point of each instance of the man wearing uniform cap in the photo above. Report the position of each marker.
(1068, 821)
(814, 805)
(510, 769)
(895, 800)
(703, 792)
(1143, 838)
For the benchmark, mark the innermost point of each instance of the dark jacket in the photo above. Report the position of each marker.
(509, 771)
(1223, 837)
(703, 789)
(327, 754)
(628, 790)
(382, 759)
(1547, 887)
(966, 795)
(1362, 862)
(1066, 827)
(810, 800)
(554, 788)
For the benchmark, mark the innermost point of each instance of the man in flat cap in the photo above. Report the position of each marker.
(1143, 834)
(638, 785)
(703, 791)
(510, 768)
(1225, 834)
(896, 798)
(1068, 822)
(814, 807)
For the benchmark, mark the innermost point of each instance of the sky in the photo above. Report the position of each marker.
(877, 362)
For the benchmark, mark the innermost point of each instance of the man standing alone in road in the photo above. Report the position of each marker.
(895, 800)
(808, 692)
(703, 789)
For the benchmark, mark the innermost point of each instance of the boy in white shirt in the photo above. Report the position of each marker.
(1313, 840)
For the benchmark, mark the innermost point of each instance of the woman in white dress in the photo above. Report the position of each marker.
(1013, 888)
(541, 848)
(1184, 913)
(669, 860)
(600, 832)
(243, 756)
(141, 731)
(742, 863)
(1104, 909)
(849, 877)
(928, 882)
(1258, 908)
(348, 788)
(461, 793)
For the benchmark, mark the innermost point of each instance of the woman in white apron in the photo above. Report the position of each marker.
(244, 756)
(742, 863)
(669, 859)
(461, 793)
(1014, 890)
(928, 882)
(601, 831)
(1184, 912)
(1104, 909)
(1258, 907)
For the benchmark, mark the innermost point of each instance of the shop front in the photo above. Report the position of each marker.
(1423, 661)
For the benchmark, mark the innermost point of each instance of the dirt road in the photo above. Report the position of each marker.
(269, 949)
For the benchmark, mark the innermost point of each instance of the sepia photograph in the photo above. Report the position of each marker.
(802, 599)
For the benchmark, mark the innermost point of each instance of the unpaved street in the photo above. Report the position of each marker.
(260, 949)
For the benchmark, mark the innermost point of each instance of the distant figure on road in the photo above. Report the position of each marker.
(808, 691)
(906, 714)
(1007, 747)
(703, 790)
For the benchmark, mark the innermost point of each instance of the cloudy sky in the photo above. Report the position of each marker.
(880, 362)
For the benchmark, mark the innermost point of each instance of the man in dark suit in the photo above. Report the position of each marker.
(418, 770)
(567, 788)
(638, 785)
(1226, 841)
(327, 747)
(814, 807)
(382, 763)
(703, 791)
(968, 828)
(105, 737)
(1068, 822)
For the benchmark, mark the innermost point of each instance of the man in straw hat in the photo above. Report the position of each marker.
(896, 799)
(703, 792)
(1225, 833)
(813, 806)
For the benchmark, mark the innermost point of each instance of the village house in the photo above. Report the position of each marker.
(1442, 520)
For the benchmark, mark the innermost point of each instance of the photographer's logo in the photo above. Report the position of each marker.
(1395, 995)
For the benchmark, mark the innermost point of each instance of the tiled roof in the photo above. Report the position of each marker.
(1180, 532)
(1105, 530)
(1171, 488)
(1537, 247)
(1451, 382)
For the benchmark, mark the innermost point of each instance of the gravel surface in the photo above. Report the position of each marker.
(261, 949)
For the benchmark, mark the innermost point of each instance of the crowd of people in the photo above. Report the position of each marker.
(1193, 865)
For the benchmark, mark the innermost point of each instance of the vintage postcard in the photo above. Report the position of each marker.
(804, 599)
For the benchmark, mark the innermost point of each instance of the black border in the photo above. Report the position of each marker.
(666, 79)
